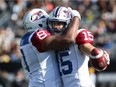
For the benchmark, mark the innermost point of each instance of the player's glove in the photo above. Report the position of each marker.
(99, 59)
(107, 57)
(74, 13)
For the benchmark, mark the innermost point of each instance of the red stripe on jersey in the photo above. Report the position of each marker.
(84, 36)
(38, 38)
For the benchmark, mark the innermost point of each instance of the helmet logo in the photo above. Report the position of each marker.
(36, 16)
(67, 13)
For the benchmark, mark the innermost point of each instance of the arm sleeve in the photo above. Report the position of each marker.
(84, 36)
(38, 37)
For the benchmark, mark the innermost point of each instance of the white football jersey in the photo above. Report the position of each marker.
(73, 64)
(41, 66)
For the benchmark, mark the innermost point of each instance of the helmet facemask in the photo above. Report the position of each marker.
(59, 15)
(58, 27)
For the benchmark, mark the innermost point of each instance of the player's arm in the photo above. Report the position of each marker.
(61, 41)
(43, 40)
(86, 48)
(98, 58)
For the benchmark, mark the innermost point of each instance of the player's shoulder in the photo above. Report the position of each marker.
(25, 38)
(84, 36)
(83, 30)
(41, 29)
(41, 33)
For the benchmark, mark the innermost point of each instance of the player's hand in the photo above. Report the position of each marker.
(107, 57)
(99, 59)
(74, 13)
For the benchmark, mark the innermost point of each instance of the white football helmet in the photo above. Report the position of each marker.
(59, 14)
(35, 19)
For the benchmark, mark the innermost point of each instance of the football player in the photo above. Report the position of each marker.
(73, 59)
(36, 47)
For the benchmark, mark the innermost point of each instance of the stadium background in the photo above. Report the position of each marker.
(99, 16)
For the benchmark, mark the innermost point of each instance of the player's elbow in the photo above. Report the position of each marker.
(69, 40)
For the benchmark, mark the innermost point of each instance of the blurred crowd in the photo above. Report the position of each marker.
(99, 16)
